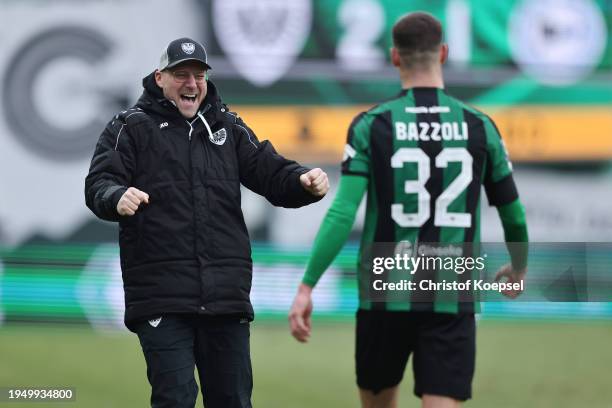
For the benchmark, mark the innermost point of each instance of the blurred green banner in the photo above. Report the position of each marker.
(82, 284)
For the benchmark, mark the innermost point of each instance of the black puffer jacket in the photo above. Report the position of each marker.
(188, 250)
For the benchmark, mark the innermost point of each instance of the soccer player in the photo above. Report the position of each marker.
(422, 158)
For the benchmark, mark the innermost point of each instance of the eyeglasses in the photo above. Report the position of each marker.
(183, 76)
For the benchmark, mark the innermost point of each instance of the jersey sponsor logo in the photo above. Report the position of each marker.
(218, 137)
(163, 125)
(155, 322)
(431, 131)
(427, 109)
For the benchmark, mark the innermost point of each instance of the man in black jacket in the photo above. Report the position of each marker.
(169, 171)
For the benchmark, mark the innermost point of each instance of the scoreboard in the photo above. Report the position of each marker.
(542, 69)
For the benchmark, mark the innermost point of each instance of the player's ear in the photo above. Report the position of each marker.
(443, 53)
(395, 57)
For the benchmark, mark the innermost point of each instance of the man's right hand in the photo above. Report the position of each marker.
(299, 315)
(130, 201)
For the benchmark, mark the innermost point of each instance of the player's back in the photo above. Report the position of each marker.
(426, 155)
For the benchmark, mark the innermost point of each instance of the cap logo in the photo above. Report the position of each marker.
(188, 48)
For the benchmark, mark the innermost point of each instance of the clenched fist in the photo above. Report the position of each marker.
(130, 201)
(315, 182)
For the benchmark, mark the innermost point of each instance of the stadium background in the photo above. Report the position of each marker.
(297, 71)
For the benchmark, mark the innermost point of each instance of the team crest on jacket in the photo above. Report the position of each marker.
(218, 137)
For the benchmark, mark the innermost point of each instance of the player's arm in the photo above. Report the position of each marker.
(502, 192)
(337, 223)
(514, 222)
(515, 233)
(332, 235)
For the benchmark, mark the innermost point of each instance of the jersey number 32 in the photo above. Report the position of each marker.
(442, 217)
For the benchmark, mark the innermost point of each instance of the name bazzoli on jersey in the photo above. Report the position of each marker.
(430, 131)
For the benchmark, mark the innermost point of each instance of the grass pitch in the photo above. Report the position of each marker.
(519, 364)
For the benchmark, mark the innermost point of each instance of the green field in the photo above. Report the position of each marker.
(519, 364)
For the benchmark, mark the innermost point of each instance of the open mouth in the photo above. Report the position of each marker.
(189, 98)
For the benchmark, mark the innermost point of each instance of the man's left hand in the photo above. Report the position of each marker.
(315, 182)
(299, 315)
(513, 276)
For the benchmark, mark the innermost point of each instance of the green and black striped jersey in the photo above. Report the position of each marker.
(426, 156)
